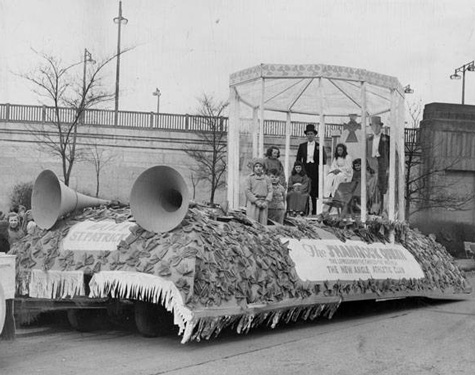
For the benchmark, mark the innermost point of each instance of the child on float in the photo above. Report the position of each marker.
(272, 161)
(277, 204)
(258, 190)
(29, 225)
(298, 192)
(341, 170)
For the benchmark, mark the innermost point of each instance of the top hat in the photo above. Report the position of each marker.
(310, 128)
(376, 120)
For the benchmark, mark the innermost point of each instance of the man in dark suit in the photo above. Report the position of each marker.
(309, 154)
(377, 148)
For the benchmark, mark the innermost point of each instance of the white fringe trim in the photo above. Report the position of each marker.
(144, 287)
(56, 284)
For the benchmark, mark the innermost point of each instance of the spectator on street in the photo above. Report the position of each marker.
(15, 232)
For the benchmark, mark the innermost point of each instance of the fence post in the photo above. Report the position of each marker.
(43, 114)
(7, 112)
(151, 119)
(187, 121)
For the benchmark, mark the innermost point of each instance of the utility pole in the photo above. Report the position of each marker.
(157, 93)
(118, 20)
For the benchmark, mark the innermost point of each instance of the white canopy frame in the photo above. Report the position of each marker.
(322, 92)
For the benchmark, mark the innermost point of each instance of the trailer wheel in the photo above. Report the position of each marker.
(153, 320)
(87, 320)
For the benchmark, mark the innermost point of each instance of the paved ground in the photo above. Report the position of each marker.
(389, 338)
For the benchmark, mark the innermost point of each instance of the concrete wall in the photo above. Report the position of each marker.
(448, 136)
(132, 150)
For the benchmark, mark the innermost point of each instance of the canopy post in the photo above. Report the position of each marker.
(233, 150)
(321, 140)
(364, 196)
(402, 163)
(261, 123)
(392, 157)
(255, 131)
(288, 130)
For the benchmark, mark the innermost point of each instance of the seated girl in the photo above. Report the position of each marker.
(349, 194)
(298, 190)
(341, 170)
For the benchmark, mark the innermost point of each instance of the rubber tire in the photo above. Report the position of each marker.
(88, 320)
(153, 320)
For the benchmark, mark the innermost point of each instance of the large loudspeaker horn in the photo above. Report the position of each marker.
(159, 199)
(52, 199)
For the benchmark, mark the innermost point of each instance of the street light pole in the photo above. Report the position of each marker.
(468, 66)
(463, 87)
(118, 20)
(87, 58)
(157, 93)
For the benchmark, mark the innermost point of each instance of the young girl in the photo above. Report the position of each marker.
(299, 186)
(258, 190)
(277, 205)
(272, 162)
(341, 170)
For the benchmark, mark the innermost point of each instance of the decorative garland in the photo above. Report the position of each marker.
(212, 273)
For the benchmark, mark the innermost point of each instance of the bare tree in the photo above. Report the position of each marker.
(194, 183)
(210, 156)
(99, 158)
(425, 184)
(66, 95)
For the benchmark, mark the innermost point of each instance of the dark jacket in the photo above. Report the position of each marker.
(383, 150)
(4, 243)
(302, 153)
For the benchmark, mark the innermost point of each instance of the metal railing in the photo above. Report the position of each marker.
(412, 135)
(150, 120)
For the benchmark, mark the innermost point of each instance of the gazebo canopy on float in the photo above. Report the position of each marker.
(321, 93)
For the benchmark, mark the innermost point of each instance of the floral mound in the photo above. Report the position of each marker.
(212, 274)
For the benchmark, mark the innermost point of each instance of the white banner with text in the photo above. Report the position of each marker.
(319, 260)
(96, 235)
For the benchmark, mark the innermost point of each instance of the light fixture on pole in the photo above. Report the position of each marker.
(87, 58)
(408, 90)
(119, 21)
(468, 66)
(157, 93)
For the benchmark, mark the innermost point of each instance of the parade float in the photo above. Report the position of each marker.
(210, 268)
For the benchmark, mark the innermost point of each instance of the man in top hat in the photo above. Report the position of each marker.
(377, 148)
(309, 154)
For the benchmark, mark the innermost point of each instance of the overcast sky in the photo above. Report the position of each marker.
(190, 47)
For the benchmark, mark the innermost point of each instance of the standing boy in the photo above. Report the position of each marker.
(276, 205)
(258, 190)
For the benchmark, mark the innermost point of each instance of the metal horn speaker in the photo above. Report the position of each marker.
(52, 199)
(159, 199)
